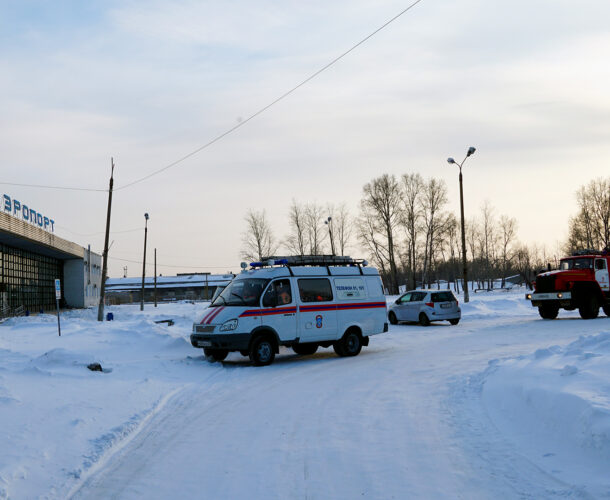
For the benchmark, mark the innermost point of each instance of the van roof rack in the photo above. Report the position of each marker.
(309, 260)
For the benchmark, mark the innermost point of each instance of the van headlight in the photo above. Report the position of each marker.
(228, 326)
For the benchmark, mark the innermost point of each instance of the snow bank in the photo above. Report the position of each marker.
(58, 418)
(554, 405)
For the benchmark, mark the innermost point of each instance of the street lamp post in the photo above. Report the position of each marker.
(470, 152)
(330, 233)
(144, 260)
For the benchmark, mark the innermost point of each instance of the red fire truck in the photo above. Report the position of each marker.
(581, 282)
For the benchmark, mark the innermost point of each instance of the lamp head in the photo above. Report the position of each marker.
(450, 160)
(146, 216)
(471, 151)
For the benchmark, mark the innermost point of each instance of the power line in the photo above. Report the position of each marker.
(43, 186)
(100, 232)
(265, 108)
(240, 124)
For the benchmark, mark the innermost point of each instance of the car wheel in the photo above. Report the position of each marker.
(215, 354)
(262, 351)
(349, 345)
(548, 311)
(305, 349)
(589, 309)
(454, 321)
(423, 319)
(392, 318)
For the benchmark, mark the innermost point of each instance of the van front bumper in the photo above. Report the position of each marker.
(230, 341)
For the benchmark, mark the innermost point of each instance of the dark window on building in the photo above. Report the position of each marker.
(315, 290)
(28, 279)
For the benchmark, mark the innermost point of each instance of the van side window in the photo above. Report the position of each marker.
(278, 293)
(315, 290)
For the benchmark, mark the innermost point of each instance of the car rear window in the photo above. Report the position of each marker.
(443, 297)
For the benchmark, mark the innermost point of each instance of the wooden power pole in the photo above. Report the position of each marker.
(100, 309)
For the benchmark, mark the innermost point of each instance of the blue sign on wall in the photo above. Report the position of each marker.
(28, 214)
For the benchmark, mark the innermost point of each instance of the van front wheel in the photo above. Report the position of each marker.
(215, 354)
(349, 345)
(262, 351)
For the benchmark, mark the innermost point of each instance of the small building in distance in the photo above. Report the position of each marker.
(169, 288)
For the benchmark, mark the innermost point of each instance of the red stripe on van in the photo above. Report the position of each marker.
(214, 315)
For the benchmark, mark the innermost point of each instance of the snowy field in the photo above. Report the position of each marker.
(503, 405)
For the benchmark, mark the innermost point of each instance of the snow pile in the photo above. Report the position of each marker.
(554, 405)
(57, 417)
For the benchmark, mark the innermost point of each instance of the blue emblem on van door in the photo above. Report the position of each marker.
(318, 321)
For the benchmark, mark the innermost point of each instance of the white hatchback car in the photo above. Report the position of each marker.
(424, 306)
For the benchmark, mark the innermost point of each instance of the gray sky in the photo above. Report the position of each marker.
(149, 82)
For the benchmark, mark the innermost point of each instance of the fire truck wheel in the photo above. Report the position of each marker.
(305, 349)
(215, 354)
(589, 308)
(607, 309)
(548, 311)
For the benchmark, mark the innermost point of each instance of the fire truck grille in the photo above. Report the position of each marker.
(545, 284)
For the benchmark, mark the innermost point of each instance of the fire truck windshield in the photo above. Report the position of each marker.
(580, 263)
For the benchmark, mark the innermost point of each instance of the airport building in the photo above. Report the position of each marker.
(32, 257)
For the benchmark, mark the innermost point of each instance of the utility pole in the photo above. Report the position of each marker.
(144, 260)
(100, 309)
(155, 277)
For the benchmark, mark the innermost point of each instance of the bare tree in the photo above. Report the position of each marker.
(297, 220)
(433, 202)
(488, 240)
(381, 200)
(342, 226)
(508, 232)
(412, 185)
(370, 234)
(314, 214)
(258, 238)
(590, 228)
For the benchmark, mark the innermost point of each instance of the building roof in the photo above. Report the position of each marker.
(192, 280)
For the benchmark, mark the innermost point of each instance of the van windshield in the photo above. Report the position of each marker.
(246, 292)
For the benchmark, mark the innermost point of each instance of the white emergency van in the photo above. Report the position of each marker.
(303, 302)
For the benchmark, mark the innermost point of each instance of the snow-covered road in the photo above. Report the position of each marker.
(407, 418)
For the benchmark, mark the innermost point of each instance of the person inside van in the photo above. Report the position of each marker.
(282, 289)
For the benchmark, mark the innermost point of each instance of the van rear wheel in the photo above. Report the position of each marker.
(349, 345)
